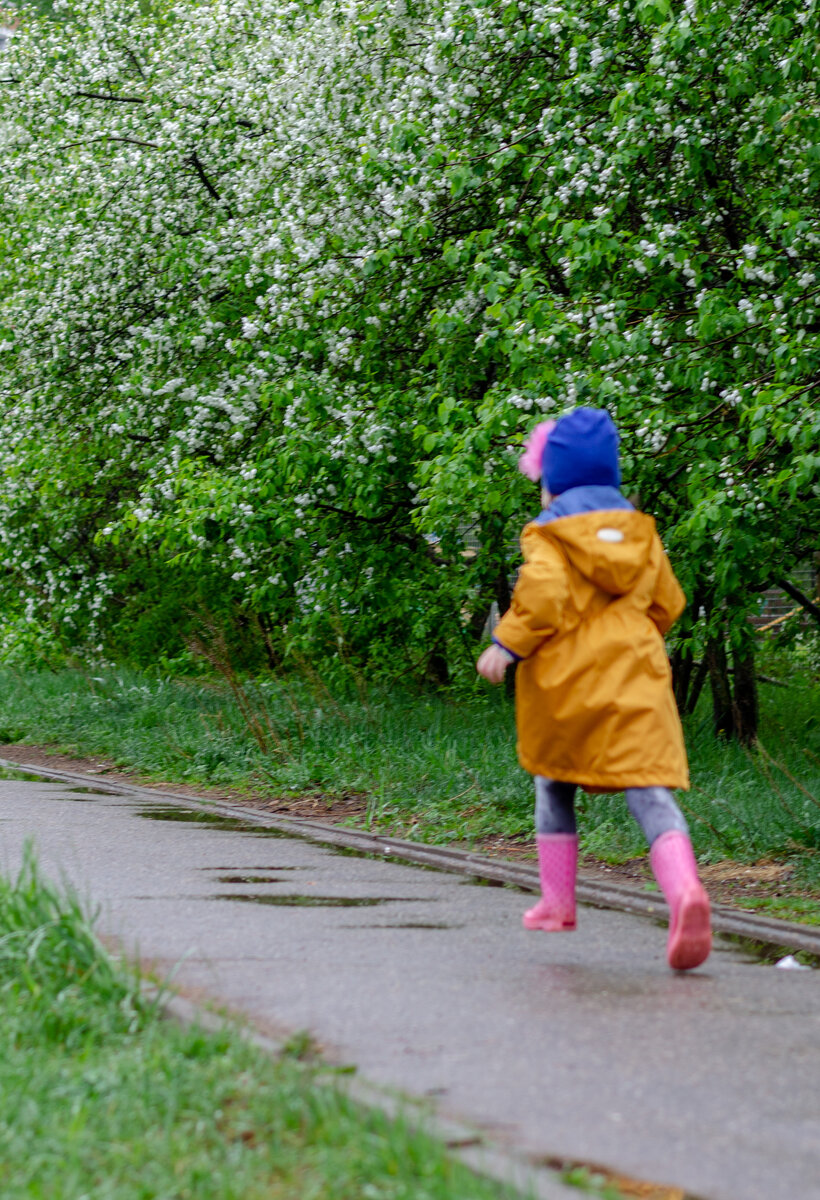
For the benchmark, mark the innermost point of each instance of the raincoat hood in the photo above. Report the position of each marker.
(611, 549)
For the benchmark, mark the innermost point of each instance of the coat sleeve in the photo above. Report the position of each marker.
(537, 606)
(668, 600)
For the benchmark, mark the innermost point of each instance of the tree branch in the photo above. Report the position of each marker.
(109, 96)
(799, 597)
(203, 178)
(107, 138)
(135, 61)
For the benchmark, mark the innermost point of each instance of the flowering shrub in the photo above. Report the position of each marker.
(285, 285)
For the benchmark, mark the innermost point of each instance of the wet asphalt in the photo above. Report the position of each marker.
(583, 1047)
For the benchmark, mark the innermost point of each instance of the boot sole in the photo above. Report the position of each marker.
(549, 926)
(690, 942)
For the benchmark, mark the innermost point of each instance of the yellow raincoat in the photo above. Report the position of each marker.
(594, 702)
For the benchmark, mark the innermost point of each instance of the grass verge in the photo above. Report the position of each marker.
(428, 767)
(102, 1099)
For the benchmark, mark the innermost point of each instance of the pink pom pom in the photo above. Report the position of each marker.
(529, 463)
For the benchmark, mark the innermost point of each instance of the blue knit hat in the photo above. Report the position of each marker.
(581, 450)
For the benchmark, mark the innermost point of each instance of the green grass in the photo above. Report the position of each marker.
(800, 908)
(102, 1099)
(427, 767)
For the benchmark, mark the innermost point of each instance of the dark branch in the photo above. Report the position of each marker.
(109, 96)
(203, 178)
(130, 141)
(799, 598)
(134, 142)
(135, 61)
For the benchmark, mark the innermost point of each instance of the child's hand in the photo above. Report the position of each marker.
(493, 663)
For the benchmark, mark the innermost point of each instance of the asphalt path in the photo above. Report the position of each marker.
(581, 1047)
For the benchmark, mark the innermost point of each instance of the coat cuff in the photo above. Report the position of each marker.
(513, 657)
(514, 636)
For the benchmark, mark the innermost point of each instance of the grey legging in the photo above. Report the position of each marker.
(654, 808)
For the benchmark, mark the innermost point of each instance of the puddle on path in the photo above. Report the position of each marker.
(261, 867)
(91, 791)
(256, 878)
(208, 820)
(84, 795)
(408, 925)
(483, 881)
(24, 776)
(15, 776)
(384, 856)
(298, 901)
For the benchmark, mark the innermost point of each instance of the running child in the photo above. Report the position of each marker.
(594, 700)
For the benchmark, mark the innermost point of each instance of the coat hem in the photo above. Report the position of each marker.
(606, 783)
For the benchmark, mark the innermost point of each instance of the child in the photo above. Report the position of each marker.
(594, 701)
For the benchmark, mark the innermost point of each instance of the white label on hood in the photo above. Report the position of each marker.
(609, 535)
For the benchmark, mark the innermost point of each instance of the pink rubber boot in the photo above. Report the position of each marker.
(674, 866)
(558, 867)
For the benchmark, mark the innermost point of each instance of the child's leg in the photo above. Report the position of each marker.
(557, 844)
(554, 806)
(656, 811)
(674, 866)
